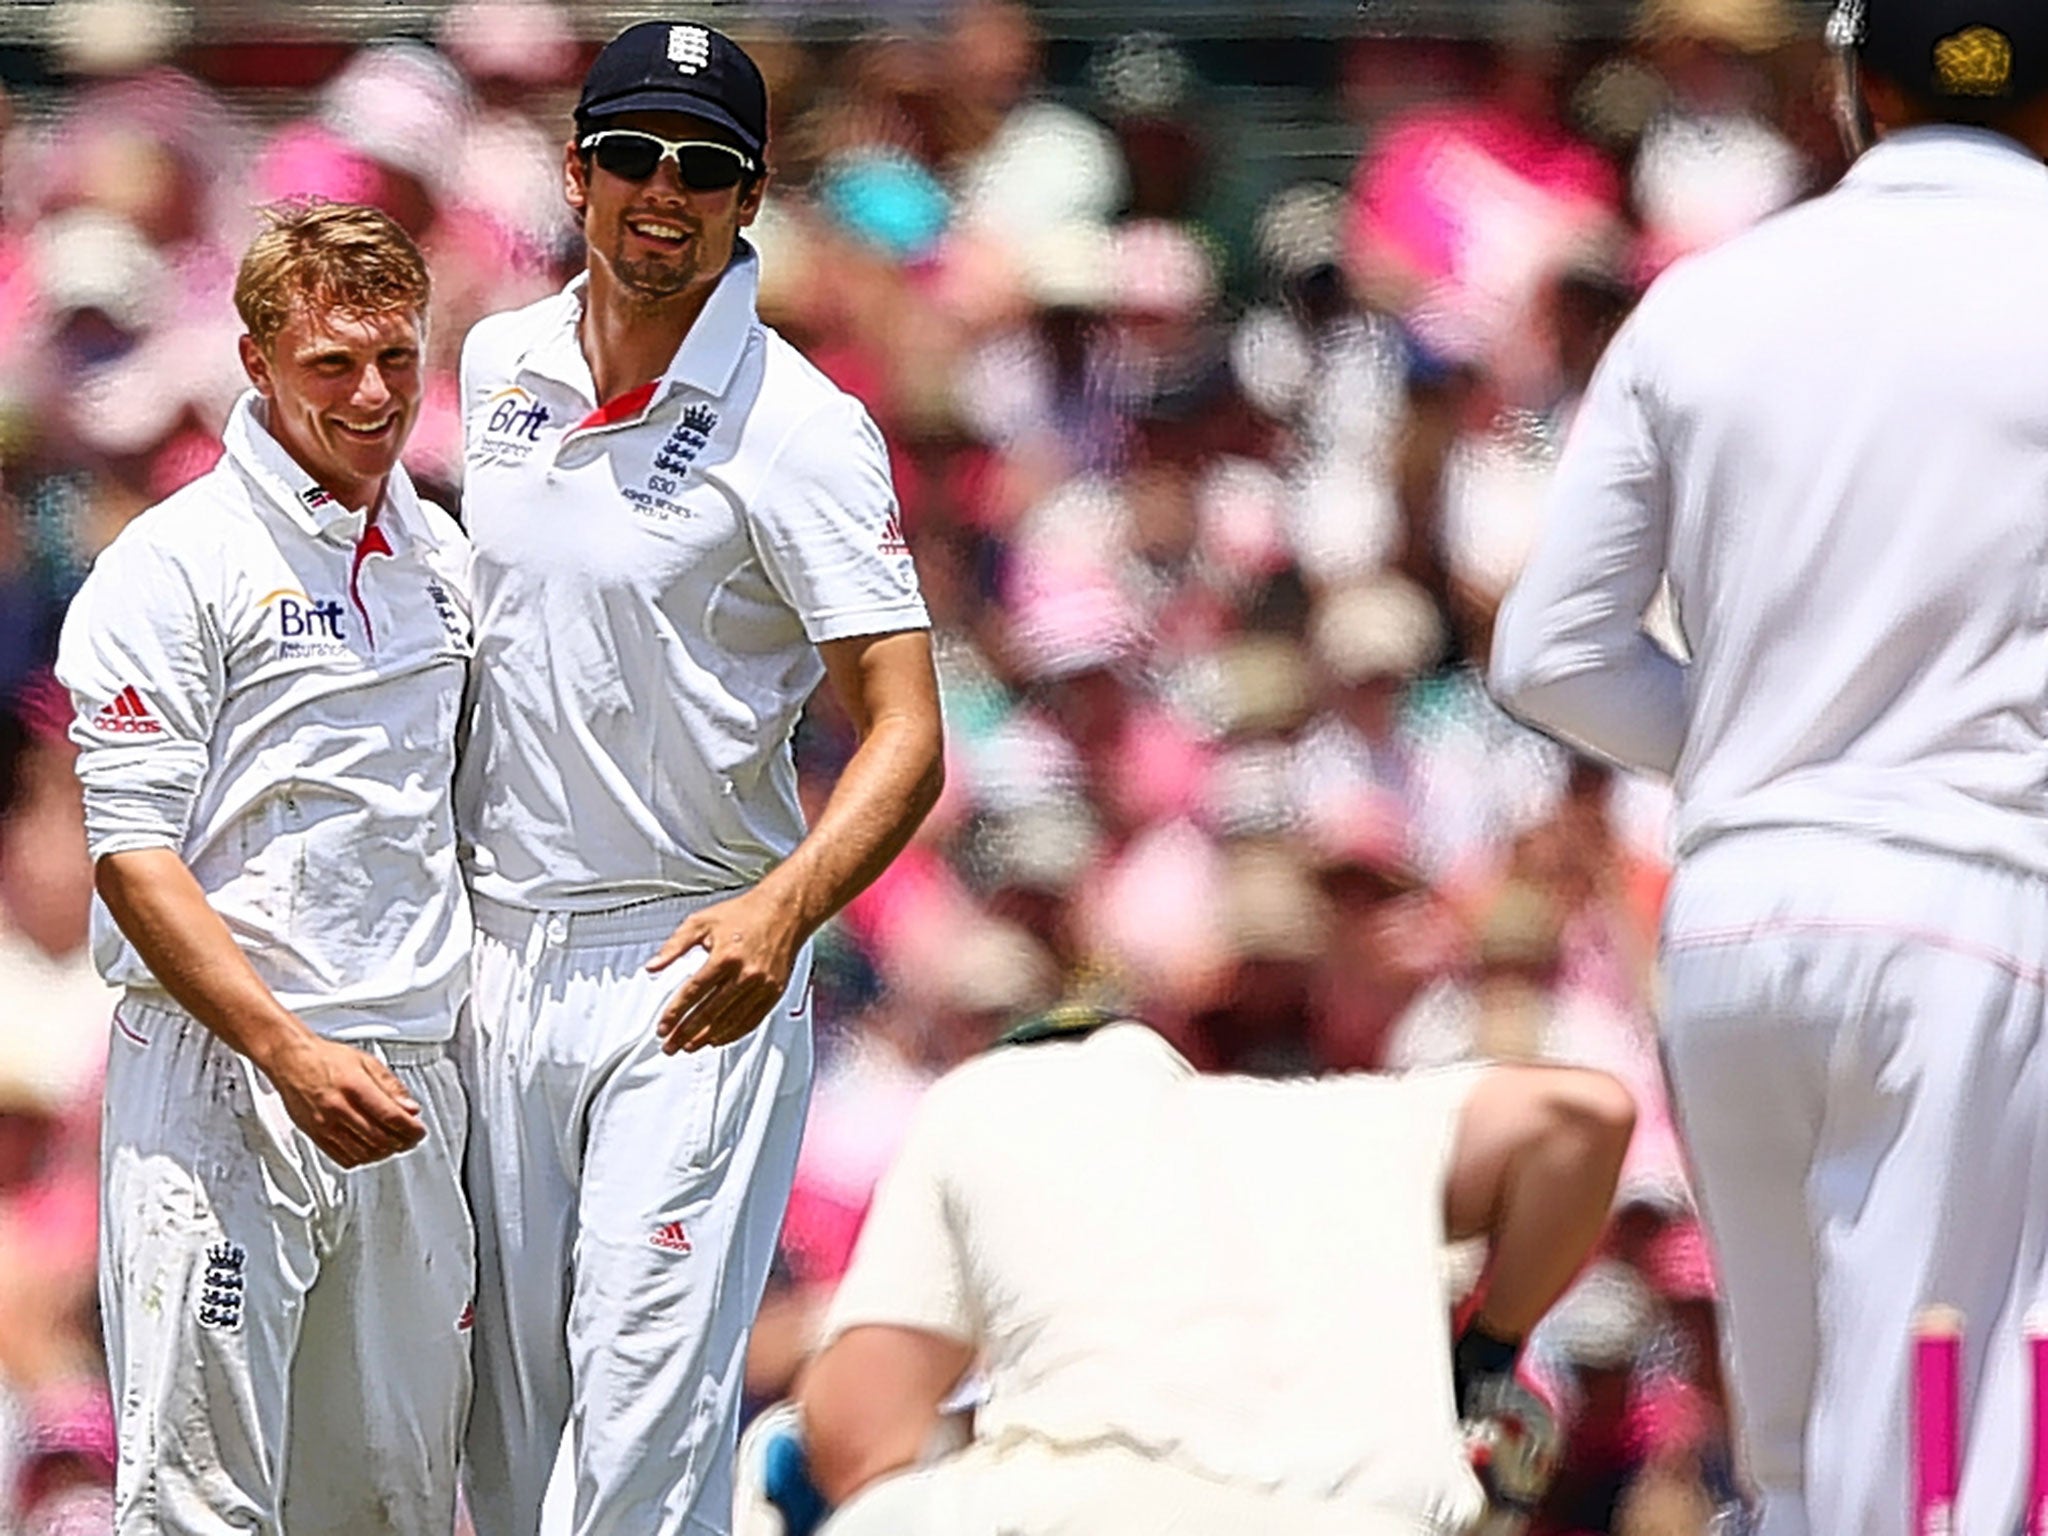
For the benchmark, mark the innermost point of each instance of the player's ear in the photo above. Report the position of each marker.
(575, 178)
(256, 366)
(751, 196)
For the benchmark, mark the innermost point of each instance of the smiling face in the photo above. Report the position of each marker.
(343, 390)
(658, 240)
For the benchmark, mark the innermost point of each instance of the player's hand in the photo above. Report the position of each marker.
(349, 1102)
(750, 945)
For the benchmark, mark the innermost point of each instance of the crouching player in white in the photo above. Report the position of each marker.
(1209, 1306)
(267, 670)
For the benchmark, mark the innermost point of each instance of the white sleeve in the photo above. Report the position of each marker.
(828, 532)
(1569, 651)
(909, 1269)
(145, 665)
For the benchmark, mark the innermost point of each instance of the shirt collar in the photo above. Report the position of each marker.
(285, 483)
(1952, 157)
(710, 354)
(706, 361)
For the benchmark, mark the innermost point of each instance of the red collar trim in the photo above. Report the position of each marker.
(619, 408)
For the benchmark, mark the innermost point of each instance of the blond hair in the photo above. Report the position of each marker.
(328, 256)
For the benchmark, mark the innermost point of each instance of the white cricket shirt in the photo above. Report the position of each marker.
(652, 580)
(1235, 1276)
(1832, 433)
(272, 689)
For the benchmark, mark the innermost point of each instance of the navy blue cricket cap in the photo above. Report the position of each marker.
(1978, 51)
(677, 66)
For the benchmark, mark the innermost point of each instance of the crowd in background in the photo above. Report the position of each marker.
(1212, 512)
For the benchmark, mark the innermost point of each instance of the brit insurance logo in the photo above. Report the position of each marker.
(306, 626)
(512, 422)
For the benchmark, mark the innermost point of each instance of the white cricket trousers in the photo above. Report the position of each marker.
(288, 1340)
(627, 1207)
(1854, 1036)
(1030, 1488)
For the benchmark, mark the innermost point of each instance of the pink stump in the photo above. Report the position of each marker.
(2037, 1458)
(1937, 1419)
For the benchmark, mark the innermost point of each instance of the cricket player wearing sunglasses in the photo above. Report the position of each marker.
(681, 528)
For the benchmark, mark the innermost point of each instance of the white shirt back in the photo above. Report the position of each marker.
(272, 690)
(1236, 1276)
(1832, 433)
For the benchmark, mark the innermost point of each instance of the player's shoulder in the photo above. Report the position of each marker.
(796, 392)
(190, 548)
(442, 530)
(1780, 248)
(1125, 1053)
(495, 343)
(202, 524)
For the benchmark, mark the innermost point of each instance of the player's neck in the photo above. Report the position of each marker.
(628, 340)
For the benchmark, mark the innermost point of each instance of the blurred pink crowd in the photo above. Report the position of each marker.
(1212, 508)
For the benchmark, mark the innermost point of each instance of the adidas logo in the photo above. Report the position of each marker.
(127, 716)
(700, 419)
(893, 542)
(671, 1236)
(467, 1320)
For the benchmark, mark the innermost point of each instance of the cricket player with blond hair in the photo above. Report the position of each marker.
(1830, 436)
(267, 670)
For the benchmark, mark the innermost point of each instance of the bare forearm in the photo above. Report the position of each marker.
(1533, 1170)
(871, 1401)
(887, 789)
(188, 948)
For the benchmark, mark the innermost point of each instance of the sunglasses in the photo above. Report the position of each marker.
(701, 165)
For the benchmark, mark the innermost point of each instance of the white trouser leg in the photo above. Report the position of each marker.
(523, 1199)
(1727, 1050)
(662, 1179)
(1885, 1008)
(657, 1336)
(381, 1383)
(283, 1336)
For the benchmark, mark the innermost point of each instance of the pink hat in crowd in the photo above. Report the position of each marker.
(527, 42)
(1679, 1264)
(306, 160)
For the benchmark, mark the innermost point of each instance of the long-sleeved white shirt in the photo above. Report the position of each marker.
(1831, 434)
(271, 688)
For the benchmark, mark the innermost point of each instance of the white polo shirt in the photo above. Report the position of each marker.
(271, 689)
(1234, 1276)
(1832, 433)
(652, 581)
